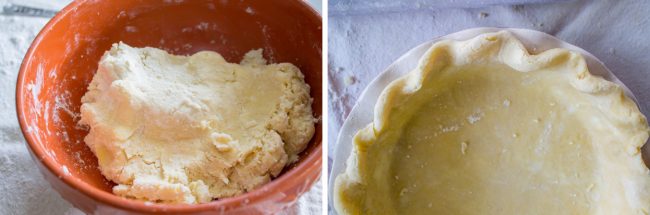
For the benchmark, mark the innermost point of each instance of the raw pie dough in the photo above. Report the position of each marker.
(188, 129)
(483, 127)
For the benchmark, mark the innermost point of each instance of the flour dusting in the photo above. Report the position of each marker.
(250, 10)
(202, 26)
(16, 167)
(131, 29)
(65, 170)
(475, 117)
(449, 128)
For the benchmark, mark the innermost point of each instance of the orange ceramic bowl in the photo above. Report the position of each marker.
(64, 56)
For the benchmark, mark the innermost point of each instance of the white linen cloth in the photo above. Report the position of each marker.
(364, 38)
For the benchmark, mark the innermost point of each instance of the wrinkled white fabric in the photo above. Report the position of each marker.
(365, 38)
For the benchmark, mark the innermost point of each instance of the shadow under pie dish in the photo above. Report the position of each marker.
(483, 127)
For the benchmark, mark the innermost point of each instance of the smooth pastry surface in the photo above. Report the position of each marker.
(482, 127)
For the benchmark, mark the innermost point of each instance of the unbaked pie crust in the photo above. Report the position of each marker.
(483, 127)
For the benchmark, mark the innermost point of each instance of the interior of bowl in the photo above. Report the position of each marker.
(64, 57)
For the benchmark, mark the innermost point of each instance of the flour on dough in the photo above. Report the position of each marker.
(189, 129)
(483, 127)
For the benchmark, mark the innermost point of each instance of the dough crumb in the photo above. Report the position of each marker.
(463, 147)
(222, 141)
(349, 80)
(506, 103)
(403, 191)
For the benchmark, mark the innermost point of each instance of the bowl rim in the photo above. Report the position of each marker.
(298, 174)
